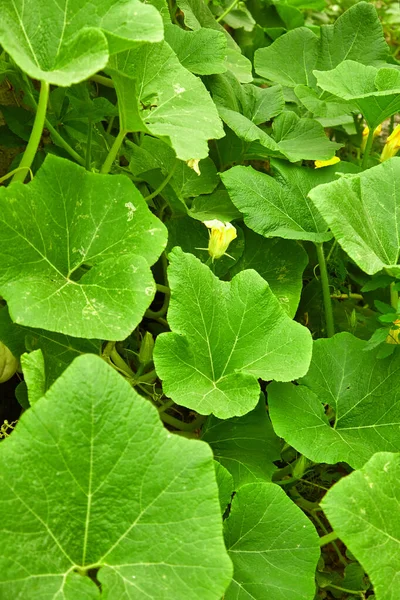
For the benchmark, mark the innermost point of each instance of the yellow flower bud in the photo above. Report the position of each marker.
(193, 163)
(365, 134)
(326, 163)
(221, 236)
(392, 144)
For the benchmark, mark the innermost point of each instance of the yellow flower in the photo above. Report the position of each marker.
(392, 144)
(365, 135)
(221, 236)
(326, 163)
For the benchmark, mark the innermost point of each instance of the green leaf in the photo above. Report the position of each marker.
(58, 350)
(280, 262)
(80, 246)
(291, 59)
(273, 545)
(224, 337)
(197, 15)
(186, 183)
(82, 37)
(278, 206)
(361, 390)
(374, 91)
(33, 368)
(294, 138)
(362, 212)
(202, 52)
(170, 102)
(356, 35)
(217, 205)
(256, 104)
(75, 497)
(328, 110)
(246, 446)
(225, 485)
(302, 138)
(364, 510)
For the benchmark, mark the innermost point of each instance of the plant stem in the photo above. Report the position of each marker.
(88, 158)
(394, 296)
(163, 184)
(61, 142)
(36, 134)
(180, 424)
(106, 81)
(368, 147)
(227, 11)
(163, 289)
(330, 326)
(112, 155)
(328, 538)
(346, 591)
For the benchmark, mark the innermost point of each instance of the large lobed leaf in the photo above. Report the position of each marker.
(65, 41)
(81, 490)
(224, 337)
(76, 250)
(278, 206)
(375, 92)
(247, 446)
(157, 95)
(273, 545)
(361, 389)
(364, 509)
(363, 212)
(356, 35)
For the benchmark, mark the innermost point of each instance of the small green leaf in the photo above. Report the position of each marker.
(157, 95)
(75, 497)
(364, 511)
(80, 246)
(361, 390)
(224, 337)
(83, 34)
(362, 212)
(273, 545)
(280, 262)
(217, 205)
(246, 446)
(197, 15)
